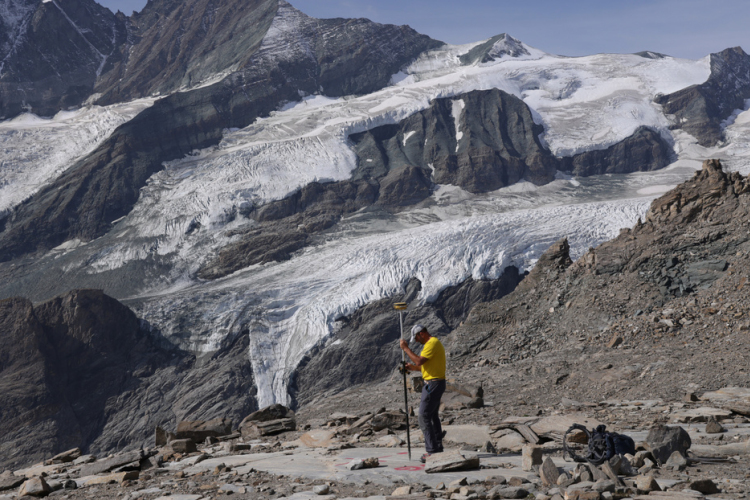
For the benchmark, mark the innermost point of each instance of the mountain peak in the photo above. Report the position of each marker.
(499, 48)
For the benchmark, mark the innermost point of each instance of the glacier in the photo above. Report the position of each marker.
(285, 308)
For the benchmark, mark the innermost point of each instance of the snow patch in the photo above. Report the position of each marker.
(457, 109)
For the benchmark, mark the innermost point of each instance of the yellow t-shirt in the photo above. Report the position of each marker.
(434, 368)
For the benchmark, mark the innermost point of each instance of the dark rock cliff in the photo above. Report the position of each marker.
(304, 54)
(643, 151)
(496, 143)
(79, 370)
(700, 109)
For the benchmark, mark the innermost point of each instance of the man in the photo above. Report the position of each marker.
(431, 362)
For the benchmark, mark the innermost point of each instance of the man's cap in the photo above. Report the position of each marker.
(415, 330)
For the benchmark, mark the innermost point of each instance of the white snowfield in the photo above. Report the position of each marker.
(184, 212)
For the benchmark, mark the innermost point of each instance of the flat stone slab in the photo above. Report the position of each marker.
(180, 497)
(699, 414)
(558, 424)
(394, 466)
(728, 394)
(476, 435)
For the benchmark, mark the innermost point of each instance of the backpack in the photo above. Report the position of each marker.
(603, 445)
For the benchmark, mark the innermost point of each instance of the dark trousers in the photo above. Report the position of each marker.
(428, 415)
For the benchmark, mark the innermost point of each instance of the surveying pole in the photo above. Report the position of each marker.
(401, 307)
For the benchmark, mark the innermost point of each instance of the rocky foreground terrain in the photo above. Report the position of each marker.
(647, 329)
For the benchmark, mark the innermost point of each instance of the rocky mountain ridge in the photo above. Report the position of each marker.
(301, 54)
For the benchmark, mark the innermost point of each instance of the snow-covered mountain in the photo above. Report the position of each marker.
(281, 192)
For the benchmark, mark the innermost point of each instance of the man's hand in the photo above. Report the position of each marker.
(404, 345)
(402, 369)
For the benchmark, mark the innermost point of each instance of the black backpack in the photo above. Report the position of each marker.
(603, 445)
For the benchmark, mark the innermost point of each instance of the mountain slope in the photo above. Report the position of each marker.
(52, 52)
(299, 54)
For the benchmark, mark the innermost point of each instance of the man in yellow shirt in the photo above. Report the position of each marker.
(431, 362)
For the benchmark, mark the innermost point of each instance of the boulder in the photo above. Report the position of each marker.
(8, 481)
(647, 483)
(713, 426)
(662, 441)
(705, 486)
(183, 446)
(199, 430)
(388, 420)
(548, 472)
(531, 457)
(401, 491)
(273, 412)
(450, 462)
(456, 401)
(507, 492)
(253, 429)
(35, 487)
(676, 461)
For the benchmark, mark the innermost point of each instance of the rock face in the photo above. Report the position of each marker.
(80, 370)
(700, 109)
(53, 53)
(643, 151)
(480, 141)
(300, 54)
(174, 45)
(690, 237)
(373, 331)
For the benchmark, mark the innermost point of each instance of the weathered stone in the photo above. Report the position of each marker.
(115, 478)
(321, 489)
(367, 463)
(610, 472)
(230, 489)
(676, 461)
(182, 446)
(615, 341)
(662, 441)
(402, 491)
(256, 429)
(199, 430)
(111, 463)
(67, 456)
(597, 474)
(517, 481)
(8, 481)
(582, 495)
(160, 437)
(35, 487)
(273, 412)
(705, 486)
(713, 426)
(647, 483)
(488, 447)
(528, 434)
(604, 485)
(450, 462)
(388, 420)
(318, 438)
(507, 492)
(531, 456)
(512, 441)
(548, 472)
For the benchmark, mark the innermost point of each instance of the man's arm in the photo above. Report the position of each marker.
(416, 361)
